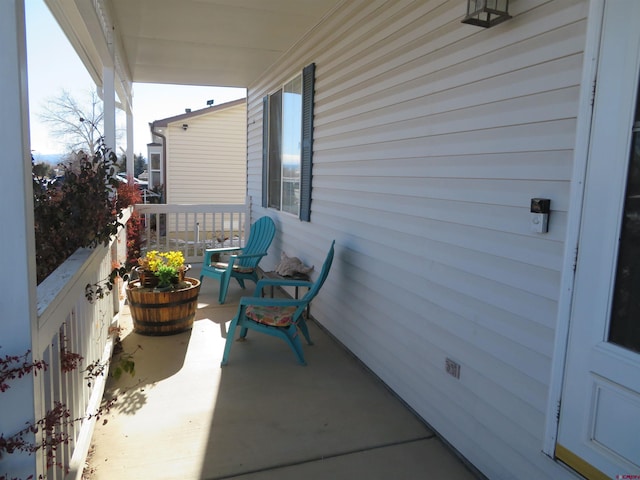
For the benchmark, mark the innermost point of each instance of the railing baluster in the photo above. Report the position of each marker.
(192, 228)
(187, 235)
(214, 227)
(158, 218)
(68, 322)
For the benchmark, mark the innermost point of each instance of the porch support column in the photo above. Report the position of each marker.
(17, 259)
(130, 151)
(109, 99)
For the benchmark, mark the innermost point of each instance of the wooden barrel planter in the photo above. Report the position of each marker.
(163, 313)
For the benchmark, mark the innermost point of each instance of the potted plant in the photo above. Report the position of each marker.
(161, 269)
(163, 300)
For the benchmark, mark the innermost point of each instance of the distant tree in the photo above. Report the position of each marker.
(139, 165)
(121, 164)
(79, 124)
(43, 170)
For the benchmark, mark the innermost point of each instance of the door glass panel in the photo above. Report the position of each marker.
(624, 328)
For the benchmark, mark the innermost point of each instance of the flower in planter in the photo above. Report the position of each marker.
(166, 275)
(160, 271)
(167, 266)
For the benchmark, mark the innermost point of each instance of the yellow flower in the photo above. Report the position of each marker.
(153, 260)
(173, 259)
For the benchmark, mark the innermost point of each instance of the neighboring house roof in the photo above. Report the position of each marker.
(164, 122)
(213, 149)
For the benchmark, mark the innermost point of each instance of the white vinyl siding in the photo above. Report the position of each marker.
(206, 163)
(430, 139)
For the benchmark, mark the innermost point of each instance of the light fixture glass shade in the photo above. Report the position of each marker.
(486, 13)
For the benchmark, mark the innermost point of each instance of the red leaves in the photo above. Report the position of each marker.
(79, 212)
(17, 366)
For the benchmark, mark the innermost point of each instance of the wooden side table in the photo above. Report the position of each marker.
(299, 276)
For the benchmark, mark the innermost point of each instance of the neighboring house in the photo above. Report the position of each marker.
(430, 138)
(201, 155)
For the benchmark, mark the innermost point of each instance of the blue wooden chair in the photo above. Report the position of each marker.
(242, 266)
(277, 317)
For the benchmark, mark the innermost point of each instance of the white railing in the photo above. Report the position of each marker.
(68, 322)
(193, 228)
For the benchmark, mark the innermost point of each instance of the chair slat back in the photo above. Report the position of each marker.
(326, 266)
(260, 237)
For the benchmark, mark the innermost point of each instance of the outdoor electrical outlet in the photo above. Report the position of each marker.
(452, 368)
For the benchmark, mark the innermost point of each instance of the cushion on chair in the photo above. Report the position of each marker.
(236, 268)
(271, 314)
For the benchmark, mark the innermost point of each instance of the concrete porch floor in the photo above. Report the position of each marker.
(261, 417)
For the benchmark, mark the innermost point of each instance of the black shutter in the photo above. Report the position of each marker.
(308, 80)
(265, 150)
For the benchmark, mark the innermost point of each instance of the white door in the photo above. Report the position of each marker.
(599, 425)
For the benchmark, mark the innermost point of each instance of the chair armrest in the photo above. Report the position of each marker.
(249, 255)
(275, 302)
(209, 252)
(277, 282)
(234, 258)
(223, 249)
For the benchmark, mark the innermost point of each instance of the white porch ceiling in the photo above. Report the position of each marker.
(210, 42)
(190, 42)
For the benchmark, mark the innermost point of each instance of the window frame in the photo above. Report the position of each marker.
(306, 145)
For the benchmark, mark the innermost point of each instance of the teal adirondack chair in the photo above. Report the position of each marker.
(242, 266)
(277, 317)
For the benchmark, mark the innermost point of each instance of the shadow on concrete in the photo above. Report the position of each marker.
(263, 416)
(274, 418)
(156, 358)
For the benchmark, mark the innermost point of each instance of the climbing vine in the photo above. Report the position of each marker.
(49, 433)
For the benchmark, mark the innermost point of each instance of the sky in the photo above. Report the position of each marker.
(52, 65)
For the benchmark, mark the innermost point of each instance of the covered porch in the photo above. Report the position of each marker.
(426, 140)
(262, 416)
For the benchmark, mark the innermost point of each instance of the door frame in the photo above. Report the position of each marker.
(576, 201)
